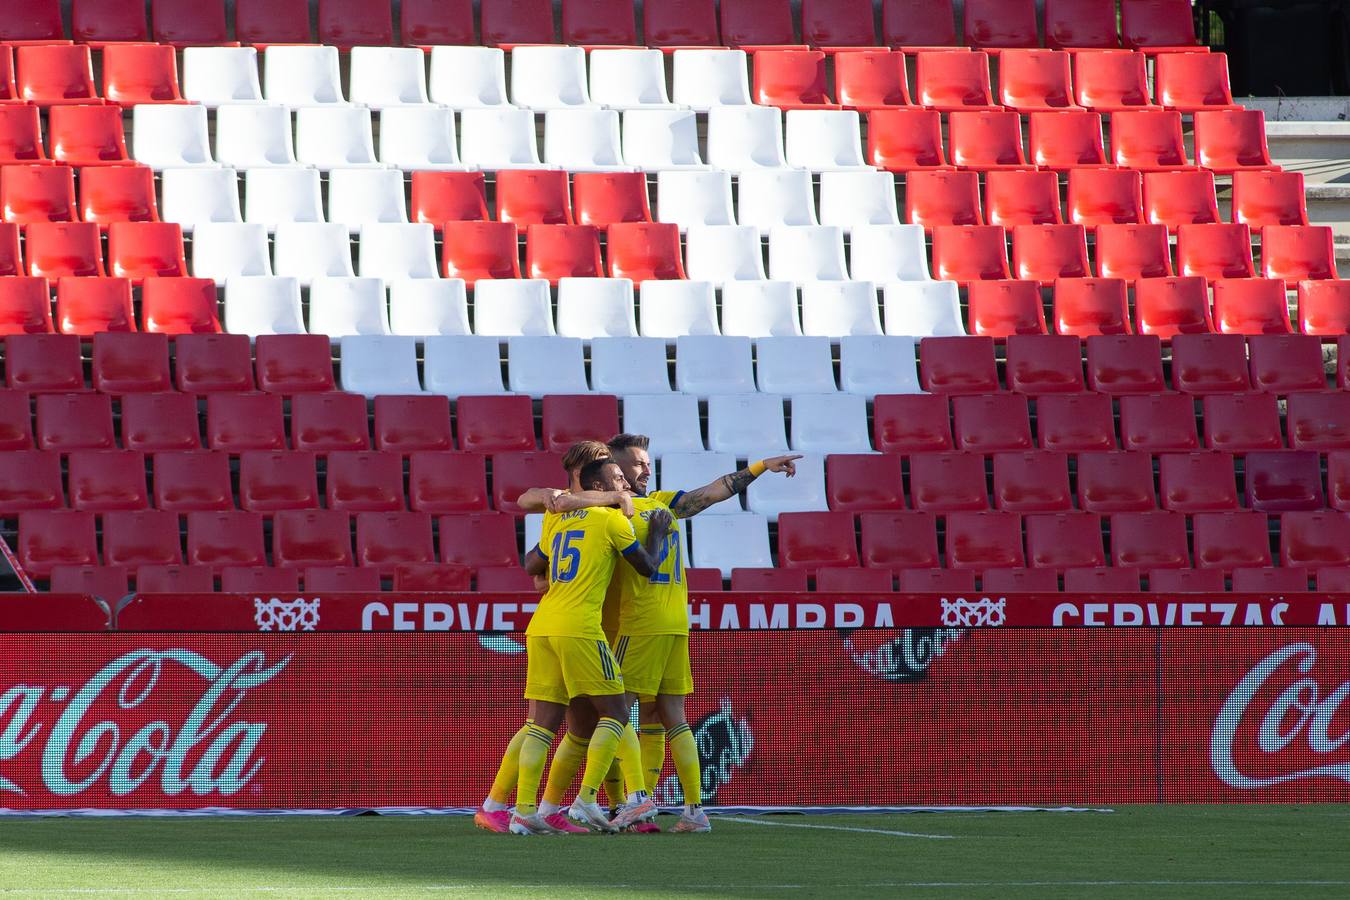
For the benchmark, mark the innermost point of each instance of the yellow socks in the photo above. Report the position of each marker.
(684, 751)
(504, 784)
(612, 738)
(630, 761)
(567, 760)
(614, 785)
(533, 756)
(652, 739)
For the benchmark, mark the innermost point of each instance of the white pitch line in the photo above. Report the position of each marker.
(913, 834)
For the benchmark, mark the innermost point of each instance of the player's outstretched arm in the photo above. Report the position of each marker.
(691, 503)
(645, 557)
(538, 500)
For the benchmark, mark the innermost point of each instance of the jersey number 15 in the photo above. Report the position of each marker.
(566, 557)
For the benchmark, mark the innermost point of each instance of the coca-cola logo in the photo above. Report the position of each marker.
(724, 745)
(903, 657)
(1299, 720)
(204, 753)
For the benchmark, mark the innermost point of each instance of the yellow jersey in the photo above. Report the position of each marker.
(659, 604)
(582, 548)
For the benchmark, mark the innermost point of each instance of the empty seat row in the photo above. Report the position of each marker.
(112, 582)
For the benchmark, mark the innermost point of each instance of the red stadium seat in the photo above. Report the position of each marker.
(118, 194)
(147, 537)
(225, 539)
(90, 305)
(838, 23)
(1286, 363)
(1283, 481)
(1343, 362)
(851, 581)
(140, 250)
(30, 479)
(644, 251)
(791, 79)
(1111, 81)
(87, 135)
(1338, 480)
(1167, 307)
(1148, 140)
(991, 422)
(1241, 422)
(1297, 252)
(258, 580)
(163, 421)
(1197, 482)
(440, 482)
(1064, 540)
(757, 23)
(1180, 198)
(1019, 581)
(562, 251)
(437, 577)
(364, 481)
(21, 136)
(98, 21)
(108, 583)
(329, 422)
(1125, 364)
(1251, 306)
(1066, 140)
(680, 23)
(430, 23)
(533, 197)
(508, 22)
(1133, 252)
(64, 249)
(174, 579)
(1149, 540)
(140, 73)
(16, 421)
(1228, 141)
(607, 198)
(311, 537)
(479, 539)
(56, 537)
(25, 306)
(1230, 540)
(814, 540)
(598, 23)
(1215, 251)
(33, 20)
(1319, 421)
(769, 581)
(1324, 307)
(1034, 481)
(1335, 579)
(899, 540)
(870, 79)
(385, 540)
(1080, 23)
(569, 418)
(440, 197)
(864, 481)
(1189, 82)
(953, 80)
(179, 306)
(272, 22)
(902, 140)
(474, 250)
(1044, 364)
(918, 23)
(1100, 580)
(55, 73)
(194, 480)
(935, 580)
(515, 473)
(911, 423)
(11, 260)
(74, 422)
(275, 480)
(947, 482)
(43, 362)
(1088, 306)
(188, 24)
(1209, 364)
(294, 363)
(984, 540)
(355, 23)
(329, 579)
(1000, 23)
(971, 253)
(129, 363)
(1158, 422)
(1034, 80)
(1104, 197)
(1002, 308)
(699, 580)
(1018, 197)
(238, 422)
(1046, 253)
(942, 198)
(1157, 23)
(985, 140)
(1269, 198)
(1115, 482)
(412, 423)
(1185, 581)
(212, 363)
(958, 365)
(1317, 540)
(494, 424)
(1269, 580)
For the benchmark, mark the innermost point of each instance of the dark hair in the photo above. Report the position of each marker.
(593, 472)
(621, 442)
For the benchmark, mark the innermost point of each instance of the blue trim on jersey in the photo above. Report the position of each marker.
(540, 551)
(631, 548)
(676, 498)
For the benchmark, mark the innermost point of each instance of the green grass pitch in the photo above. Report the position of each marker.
(1170, 851)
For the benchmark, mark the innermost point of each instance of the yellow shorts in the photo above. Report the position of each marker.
(655, 664)
(561, 668)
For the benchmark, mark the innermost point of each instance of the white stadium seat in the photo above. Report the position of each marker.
(427, 306)
(885, 253)
(670, 420)
(462, 364)
(838, 308)
(767, 198)
(628, 79)
(507, 308)
(214, 76)
(758, 309)
(388, 76)
(498, 138)
(656, 140)
(254, 136)
(546, 365)
(690, 471)
(549, 77)
(730, 542)
(301, 75)
(694, 198)
(794, 365)
(204, 194)
(745, 137)
(273, 196)
(468, 77)
(263, 305)
(342, 306)
(168, 135)
(419, 137)
(308, 250)
(806, 253)
(878, 364)
(722, 253)
(396, 251)
(707, 365)
(707, 78)
(359, 197)
(334, 137)
(804, 492)
(830, 423)
(379, 364)
(824, 140)
(854, 199)
(222, 250)
(672, 309)
(534, 529)
(624, 365)
(748, 426)
(596, 308)
(583, 140)
(923, 308)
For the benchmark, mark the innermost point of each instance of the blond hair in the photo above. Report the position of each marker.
(581, 453)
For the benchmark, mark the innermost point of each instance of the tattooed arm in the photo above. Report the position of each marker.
(691, 503)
